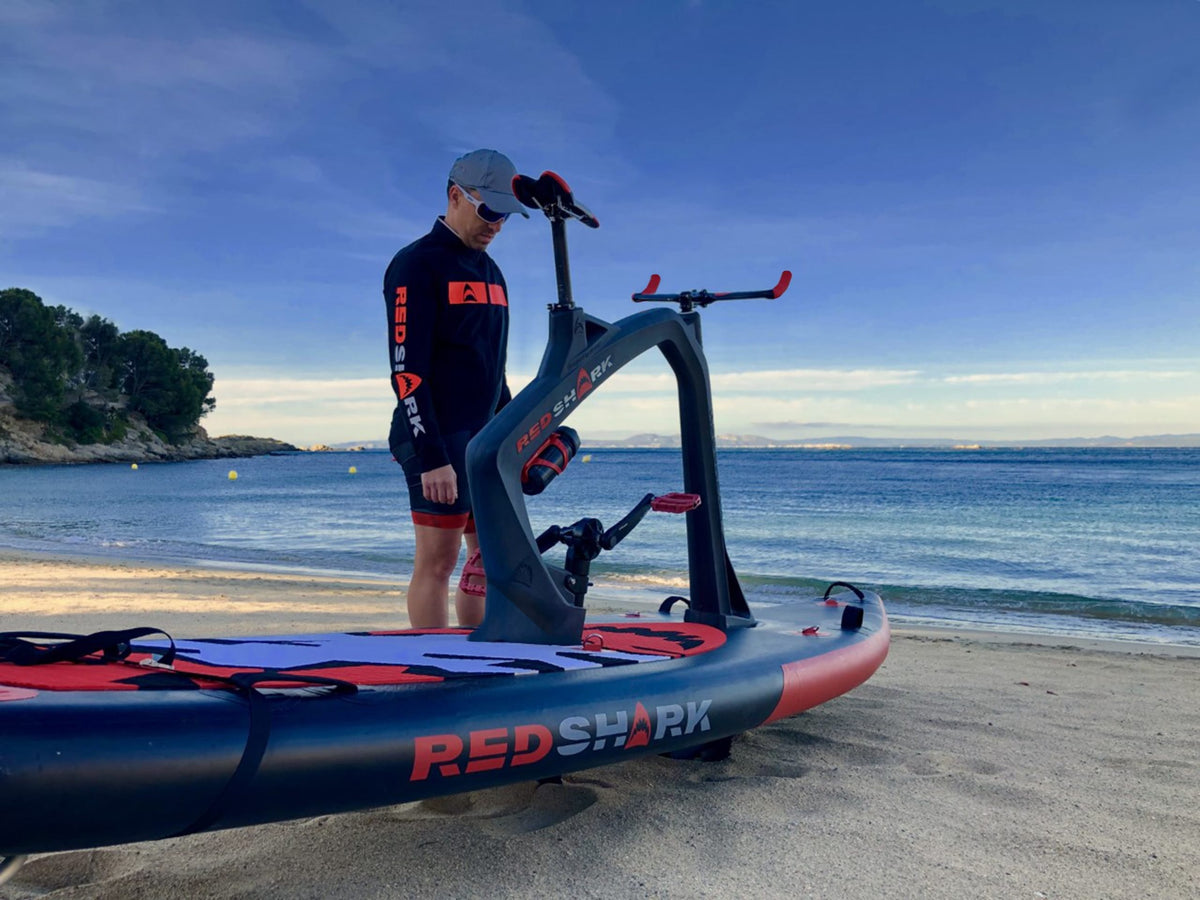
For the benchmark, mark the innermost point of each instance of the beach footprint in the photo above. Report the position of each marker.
(512, 809)
(61, 871)
(937, 764)
(794, 740)
(551, 804)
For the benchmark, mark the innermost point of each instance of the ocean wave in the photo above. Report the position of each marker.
(948, 602)
(1148, 610)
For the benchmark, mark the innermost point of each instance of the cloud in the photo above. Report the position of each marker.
(813, 379)
(795, 427)
(313, 410)
(147, 94)
(303, 411)
(1132, 409)
(182, 100)
(37, 198)
(261, 392)
(442, 79)
(764, 381)
(106, 106)
(1048, 378)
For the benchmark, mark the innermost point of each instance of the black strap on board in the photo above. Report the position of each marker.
(28, 648)
(257, 736)
(34, 648)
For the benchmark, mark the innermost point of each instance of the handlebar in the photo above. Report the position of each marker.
(689, 299)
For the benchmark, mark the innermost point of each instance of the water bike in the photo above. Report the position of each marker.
(133, 735)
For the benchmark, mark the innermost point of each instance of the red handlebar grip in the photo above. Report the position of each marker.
(652, 287)
(784, 280)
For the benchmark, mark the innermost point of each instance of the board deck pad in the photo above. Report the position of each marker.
(366, 658)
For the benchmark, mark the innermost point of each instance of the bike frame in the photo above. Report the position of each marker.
(527, 599)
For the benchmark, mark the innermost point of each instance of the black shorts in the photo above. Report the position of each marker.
(442, 515)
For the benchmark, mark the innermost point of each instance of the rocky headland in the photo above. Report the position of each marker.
(24, 442)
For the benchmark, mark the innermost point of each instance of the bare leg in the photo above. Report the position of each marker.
(469, 609)
(429, 591)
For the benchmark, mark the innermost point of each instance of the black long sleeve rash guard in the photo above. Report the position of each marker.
(447, 308)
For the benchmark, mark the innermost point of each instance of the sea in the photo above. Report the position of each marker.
(1096, 542)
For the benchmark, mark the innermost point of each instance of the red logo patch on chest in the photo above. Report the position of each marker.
(470, 293)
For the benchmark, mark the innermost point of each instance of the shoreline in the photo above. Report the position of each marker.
(972, 764)
(188, 593)
(86, 594)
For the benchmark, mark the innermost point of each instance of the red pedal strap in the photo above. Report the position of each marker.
(675, 503)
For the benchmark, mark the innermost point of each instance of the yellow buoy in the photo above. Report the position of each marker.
(233, 474)
(587, 457)
(134, 467)
(354, 470)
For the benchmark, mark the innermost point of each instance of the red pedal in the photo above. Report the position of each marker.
(675, 503)
(474, 579)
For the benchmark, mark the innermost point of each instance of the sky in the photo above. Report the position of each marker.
(990, 207)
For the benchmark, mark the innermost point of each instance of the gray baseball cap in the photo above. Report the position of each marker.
(491, 173)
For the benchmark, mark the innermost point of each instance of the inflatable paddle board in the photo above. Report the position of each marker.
(234, 732)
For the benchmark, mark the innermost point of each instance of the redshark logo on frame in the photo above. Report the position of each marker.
(585, 382)
(486, 749)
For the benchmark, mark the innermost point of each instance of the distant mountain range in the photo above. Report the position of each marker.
(753, 441)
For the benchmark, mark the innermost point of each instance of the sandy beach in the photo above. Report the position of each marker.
(972, 765)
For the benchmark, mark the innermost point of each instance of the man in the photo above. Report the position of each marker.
(447, 307)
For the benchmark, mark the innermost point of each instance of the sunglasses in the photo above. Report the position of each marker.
(482, 210)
